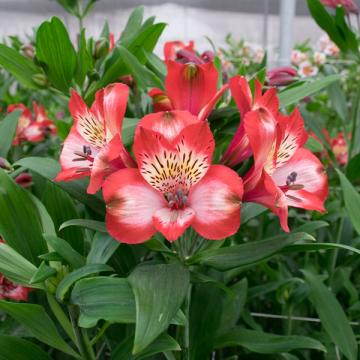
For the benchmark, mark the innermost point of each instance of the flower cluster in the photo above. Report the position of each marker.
(172, 183)
(32, 128)
(308, 61)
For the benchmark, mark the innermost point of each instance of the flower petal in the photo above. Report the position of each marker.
(241, 93)
(161, 102)
(179, 164)
(304, 181)
(172, 223)
(115, 100)
(88, 123)
(73, 160)
(191, 86)
(264, 191)
(130, 206)
(216, 200)
(168, 123)
(205, 111)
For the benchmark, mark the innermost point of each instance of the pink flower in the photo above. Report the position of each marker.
(350, 6)
(284, 172)
(94, 147)
(174, 187)
(306, 69)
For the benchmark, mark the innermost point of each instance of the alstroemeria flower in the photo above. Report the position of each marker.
(94, 147)
(306, 69)
(174, 187)
(281, 76)
(267, 104)
(191, 87)
(24, 121)
(284, 173)
(40, 127)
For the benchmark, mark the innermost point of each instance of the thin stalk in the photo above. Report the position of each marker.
(335, 252)
(186, 333)
(100, 334)
(289, 320)
(82, 341)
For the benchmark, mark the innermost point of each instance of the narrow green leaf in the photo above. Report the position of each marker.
(88, 224)
(64, 249)
(70, 279)
(56, 52)
(34, 318)
(24, 350)
(353, 168)
(351, 199)
(14, 266)
(20, 225)
(84, 62)
(7, 131)
(163, 343)
(318, 247)
(132, 26)
(251, 210)
(18, 65)
(249, 253)
(102, 248)
(159, 292)
(265, 343)
(332, 316)
(297, 93)
(42, 273)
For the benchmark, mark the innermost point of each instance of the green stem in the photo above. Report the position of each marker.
(334, 254)
(186, 335)
(100, 334)
(82, 340)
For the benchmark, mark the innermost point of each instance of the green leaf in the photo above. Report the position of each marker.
(310, 227)
(7, 131)
(49, 168)
(351, 199)
(338, 100)
(128, 130)
(250, 210)
(353, 168)
(88, 224)
(34, 318)
(25, 350)
(133, 25)
(332, 316)
(18, 65)
(163, 343)
(249, 253)
(102, 248)
(61, 207)
(64, 249)
(297, 93)
(42, 273)
(109, 299)
(14, 266)
(69, 280)
(84, 60)
(159, 292)
(156, 65)
(20, 225)
(56, 53)
(265, 343)
(318, 247)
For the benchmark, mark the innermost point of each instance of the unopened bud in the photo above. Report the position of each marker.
(40, 79)
(127, 80)
(101, 48)
(4, 164)
(28, 51)
(281, 76)
(24, 180)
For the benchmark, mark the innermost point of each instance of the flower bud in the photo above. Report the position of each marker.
(208, 56)
(24, 180)
(127, 80)
(40, 79)
(101, 48)
(281, 76)
(28, 51)
(4, 164)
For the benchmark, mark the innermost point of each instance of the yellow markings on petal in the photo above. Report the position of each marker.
(91, 129)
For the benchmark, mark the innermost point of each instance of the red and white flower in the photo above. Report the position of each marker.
(306, 69)
(284, 173)
(174, 187)
(94, 147)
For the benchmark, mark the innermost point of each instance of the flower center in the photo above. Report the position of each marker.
(177, 200)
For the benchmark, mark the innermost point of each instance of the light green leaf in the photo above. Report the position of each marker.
(86, 223)
(102, 248)
(7, 131)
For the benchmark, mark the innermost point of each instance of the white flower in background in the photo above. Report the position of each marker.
(327, 46)
(319, 58)
(306, 69)
(258, 54)
(298, 57)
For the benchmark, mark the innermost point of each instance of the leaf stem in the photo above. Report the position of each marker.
(186, 334)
